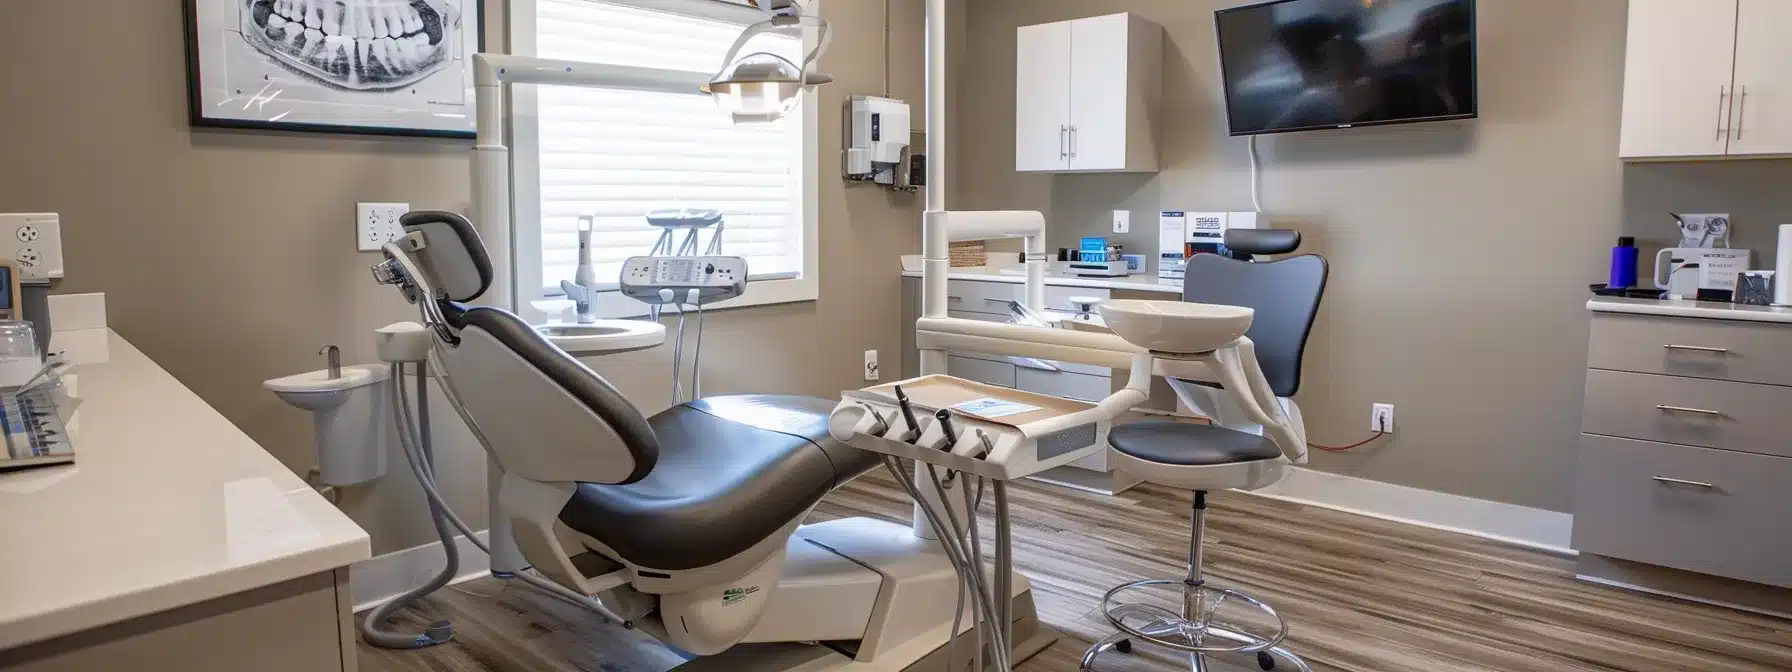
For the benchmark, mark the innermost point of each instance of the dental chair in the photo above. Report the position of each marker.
(1230, 454)
(687, 524)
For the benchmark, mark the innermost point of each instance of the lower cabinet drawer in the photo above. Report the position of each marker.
(981, 297)
(981, 370)
(1698, 509)
(1064, 384)
(1693, 411)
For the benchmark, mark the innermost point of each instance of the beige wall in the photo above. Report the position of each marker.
(229, 257)
(1460, 251)
(1755, 193)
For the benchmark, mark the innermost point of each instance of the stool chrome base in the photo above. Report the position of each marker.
(1278, 658)
(1199, 625)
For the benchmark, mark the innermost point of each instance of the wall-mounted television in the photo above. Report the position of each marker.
(1295, 65)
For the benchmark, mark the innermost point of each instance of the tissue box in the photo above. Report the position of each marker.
(1755, 288)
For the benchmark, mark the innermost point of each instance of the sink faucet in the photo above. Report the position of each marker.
(582, 298)
(334, 354)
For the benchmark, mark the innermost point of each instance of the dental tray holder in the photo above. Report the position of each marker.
(1018, 445)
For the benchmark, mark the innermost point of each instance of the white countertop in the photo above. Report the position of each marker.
(167, 504)
(1135, 283)
(1711, 310)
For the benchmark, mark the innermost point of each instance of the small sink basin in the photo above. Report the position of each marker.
(604, 336)
(317, 391)
(1176, 326)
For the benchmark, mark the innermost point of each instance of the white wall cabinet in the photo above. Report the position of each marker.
(1707, 78)
(1086, 95)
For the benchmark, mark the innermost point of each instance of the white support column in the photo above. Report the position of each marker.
(935, 263)
(491, 186)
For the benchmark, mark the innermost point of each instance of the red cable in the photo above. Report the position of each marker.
(1340, 449)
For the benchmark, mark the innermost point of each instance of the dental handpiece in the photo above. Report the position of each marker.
(908, 413)
(945, 418)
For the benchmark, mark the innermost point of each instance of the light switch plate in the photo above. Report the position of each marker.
(377, 224)
(34, 242)
(1122, 221)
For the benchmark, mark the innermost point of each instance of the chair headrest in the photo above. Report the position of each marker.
(1263, 241)
(453, 254)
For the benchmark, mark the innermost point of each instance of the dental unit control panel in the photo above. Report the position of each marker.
(667, 280)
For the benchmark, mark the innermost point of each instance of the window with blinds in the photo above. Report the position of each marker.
(616, 155)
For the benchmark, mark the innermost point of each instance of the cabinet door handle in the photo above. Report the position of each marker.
(1035, 364)
(1698, 348)
(1063, 142)
(1073, 141)
(1682, 409)
(1723, 96)
(1677, 481)
(1741, 108)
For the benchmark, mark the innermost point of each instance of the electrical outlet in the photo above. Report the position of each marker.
(1381, 418)
(35, 242)
(871, 371)
(1122, 221)
(377, 224)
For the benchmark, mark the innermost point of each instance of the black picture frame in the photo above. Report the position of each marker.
(195, 104)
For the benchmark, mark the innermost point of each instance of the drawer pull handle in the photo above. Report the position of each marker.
(1698, 348)
(1691, 484)
(1682, 409)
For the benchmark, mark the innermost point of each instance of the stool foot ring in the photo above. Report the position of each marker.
(1200, 627)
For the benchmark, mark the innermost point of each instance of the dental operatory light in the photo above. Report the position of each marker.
(764, 87)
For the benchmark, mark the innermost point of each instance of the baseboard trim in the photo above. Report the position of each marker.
(1537, 529)
(1686, 597)
(383, 577)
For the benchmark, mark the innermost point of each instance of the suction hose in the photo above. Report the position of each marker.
(419, 458)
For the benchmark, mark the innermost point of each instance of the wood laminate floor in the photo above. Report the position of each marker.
(1361, 594)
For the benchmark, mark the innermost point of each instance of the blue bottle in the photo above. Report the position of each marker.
(1624, 258)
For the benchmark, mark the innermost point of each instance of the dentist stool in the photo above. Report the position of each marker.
(1201, 618)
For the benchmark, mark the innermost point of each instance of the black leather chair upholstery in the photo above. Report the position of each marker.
(1285, 295)
(1180, 443)
(732, 470)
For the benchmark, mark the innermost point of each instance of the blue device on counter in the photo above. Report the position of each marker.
(1624, 258)
(1094, 250)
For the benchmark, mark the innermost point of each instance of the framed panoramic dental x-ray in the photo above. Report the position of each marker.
(390, 67)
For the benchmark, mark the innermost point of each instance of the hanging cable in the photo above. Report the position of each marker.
(416, 442)
(955, 551)
(1340, 449)
(975, 566)
(677, 359)
(977, 553)
(439, 631)
(697, 359)
(1256, 174)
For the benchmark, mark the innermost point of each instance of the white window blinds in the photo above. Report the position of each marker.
(619, 154)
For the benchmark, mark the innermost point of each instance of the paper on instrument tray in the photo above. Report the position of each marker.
(937, 391)
(991, 407)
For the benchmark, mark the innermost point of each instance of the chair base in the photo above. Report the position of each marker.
(1273, 659)
(1201, 613)
(1188, 616)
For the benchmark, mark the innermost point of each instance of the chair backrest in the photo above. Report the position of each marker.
(542, 414)
(1284, 293)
